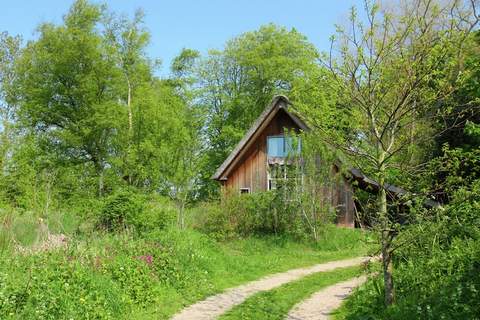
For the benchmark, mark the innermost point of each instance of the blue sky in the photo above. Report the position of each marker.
(196, 24)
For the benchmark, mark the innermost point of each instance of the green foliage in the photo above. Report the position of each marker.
(82, 113)
(258, 213)
(54, 286)
(127, 208)
(463, 120)
(436, 271)
(121, 209)
(452, 170)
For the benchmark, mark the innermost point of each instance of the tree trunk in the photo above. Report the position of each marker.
(129, 110)
(181, 215)
(130, 130)
(100, 184)
(4, 139)
(99, 169)
(387, 269)
(385, 236)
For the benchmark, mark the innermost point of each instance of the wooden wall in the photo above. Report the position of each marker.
(251, 172)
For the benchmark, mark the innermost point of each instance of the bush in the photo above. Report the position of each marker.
(158, 213)
(121, 209)
(130, 209)
(256, 214)
(212, 219)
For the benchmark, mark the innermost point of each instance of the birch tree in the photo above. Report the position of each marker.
(128, 40)
(9, 51)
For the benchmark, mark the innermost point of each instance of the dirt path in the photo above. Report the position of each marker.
(215, 306)
(322, 303)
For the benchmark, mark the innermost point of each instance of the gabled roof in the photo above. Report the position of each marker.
(278, 103)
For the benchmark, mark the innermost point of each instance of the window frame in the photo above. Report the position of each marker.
(245, 190)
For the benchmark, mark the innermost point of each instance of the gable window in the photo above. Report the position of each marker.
(281, 146)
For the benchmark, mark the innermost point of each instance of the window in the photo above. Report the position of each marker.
(276, 176)
(272, 182)
(244, 190)
(281, 146)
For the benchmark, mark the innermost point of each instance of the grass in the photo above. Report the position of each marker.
(216, 266)
(106, 276)
(275, 304)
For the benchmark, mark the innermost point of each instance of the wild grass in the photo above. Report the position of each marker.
(147, 277)
(138, 275)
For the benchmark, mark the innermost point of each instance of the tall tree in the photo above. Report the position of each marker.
(390, 72)
(128, 40)
(9, 51)
(66, 92)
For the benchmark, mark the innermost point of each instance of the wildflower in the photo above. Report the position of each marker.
(148, 259)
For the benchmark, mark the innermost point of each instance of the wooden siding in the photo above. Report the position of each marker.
(251, 172)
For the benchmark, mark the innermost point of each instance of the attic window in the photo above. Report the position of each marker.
(281, 146)
(244, 190)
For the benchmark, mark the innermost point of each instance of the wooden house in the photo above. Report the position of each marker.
(246, 170)
(266, 144)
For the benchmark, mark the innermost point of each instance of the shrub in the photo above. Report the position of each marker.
(158, 213)
(257, 214)
(212, 219)
(130, 209)
(121, 209)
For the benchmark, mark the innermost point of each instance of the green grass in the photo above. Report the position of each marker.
(275, 304)
(101, 275)
(215, 266)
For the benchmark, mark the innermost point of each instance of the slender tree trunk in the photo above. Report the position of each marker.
(4, 139)
(181, 215)
(48, 190)
(385, 236)
(99, 169)
(130, 128)
(100, 184)
(129, 109)
(387, 269)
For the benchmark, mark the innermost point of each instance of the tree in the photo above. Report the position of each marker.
(9, 51)
(128, 40)
(66, 92)
(389, 74)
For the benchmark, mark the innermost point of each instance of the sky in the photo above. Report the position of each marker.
(195, 24)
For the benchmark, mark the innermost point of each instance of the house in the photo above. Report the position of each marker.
(266, 144)
(248, 167)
